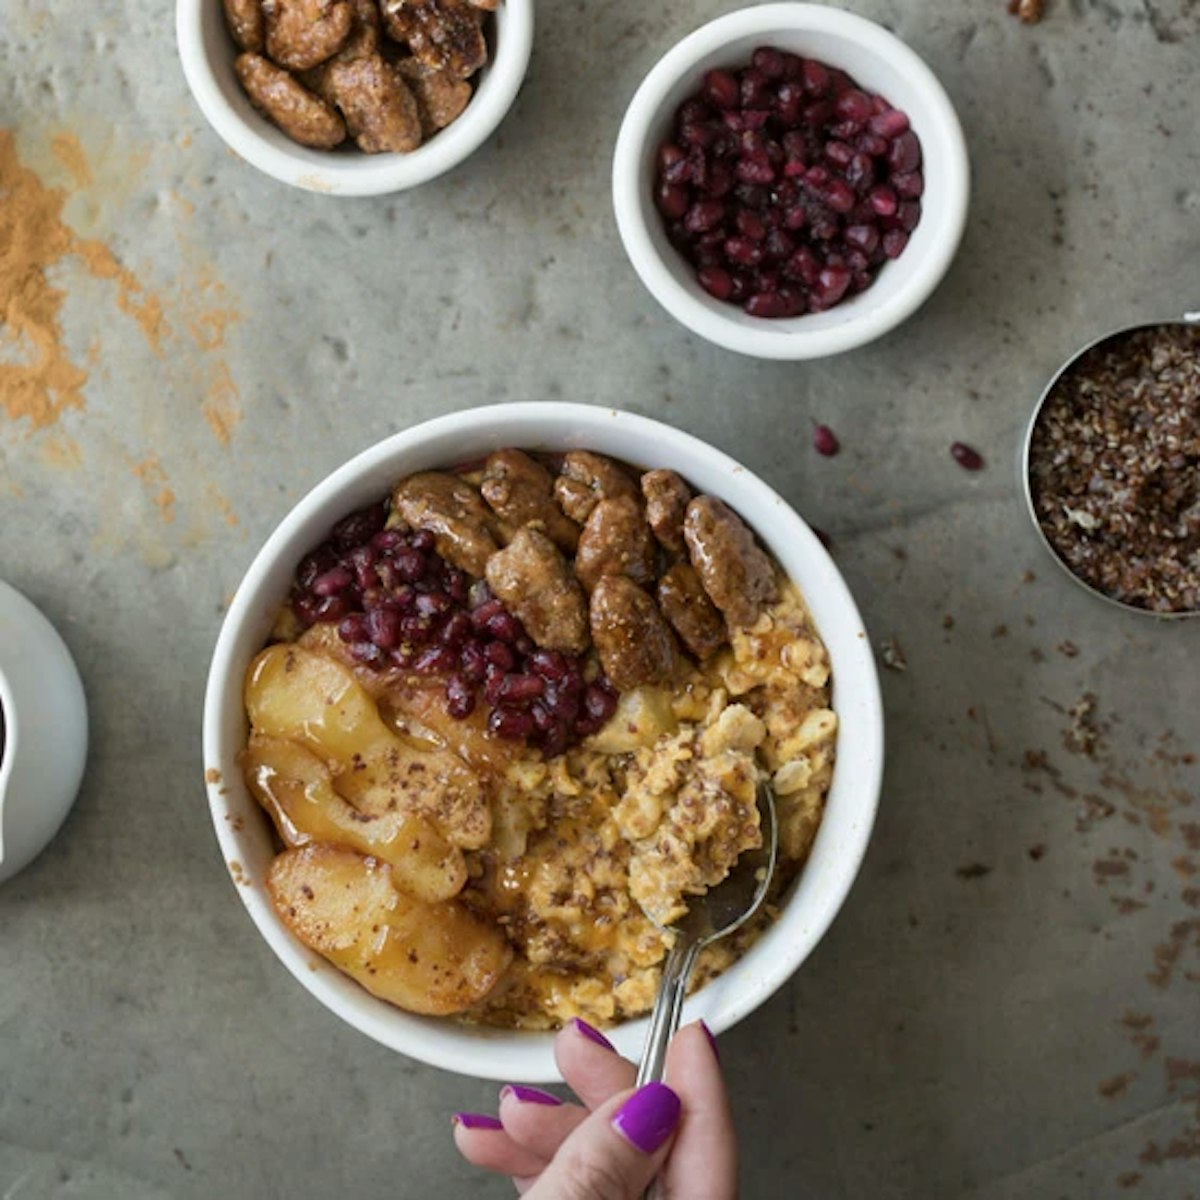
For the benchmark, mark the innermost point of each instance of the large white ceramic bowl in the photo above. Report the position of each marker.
(244, 833)
(881, 63)
(207, 53)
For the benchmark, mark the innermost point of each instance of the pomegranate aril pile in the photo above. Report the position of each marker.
(787, 186)
(398, 604)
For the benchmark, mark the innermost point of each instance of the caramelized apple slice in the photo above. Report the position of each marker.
(428, 958)
(295, 693)
(296, 788)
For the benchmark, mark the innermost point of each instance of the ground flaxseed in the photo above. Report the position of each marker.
(1114, 468)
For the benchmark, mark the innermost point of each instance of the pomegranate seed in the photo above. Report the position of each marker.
(872, 145)
(803, 265)
(756, 169)
(894, 242)
(417, 630)
(778, 246)
(693, 112)
(968, 459)
(720, 89)
(510, 723)
(825, 441)
(433, 604)
(860, 172)
(768, 62)
(789, 103)
(524, 645)
(520, 689)
(838, 153)
(703, 216)
(909, 215)
(883, 200)
(331, 582)
(839, 196)
(383, 628)
(504, 626)
(831, 285)
(793, 65)
(744, 252)
(720, 181)
(854, 105)
(716, 281)
(904, 154)
(817, 178)
(816, 116)
(387, 539)
(332, 608)
(366, 653)
(460, 697)
(669, 155)
(354, 629)
(358, 527)
(472, 662)
(424, 541)
(672, 200)
(500, 655)
(845, 131)
(794, 217)
(816, 77)
(889, 124)
(750, 224)
(767, 304)
(456, 630)
(864, 237)
(909, 185)
(437, 660)
(754, 90)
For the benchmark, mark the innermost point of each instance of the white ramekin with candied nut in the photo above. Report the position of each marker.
(354, 97)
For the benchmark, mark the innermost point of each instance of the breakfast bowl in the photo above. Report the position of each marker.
(878, 67)
(208, 52)
(807, 908)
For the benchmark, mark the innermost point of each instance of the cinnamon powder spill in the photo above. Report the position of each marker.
(38, 380)
(150, 472)
(66, 148)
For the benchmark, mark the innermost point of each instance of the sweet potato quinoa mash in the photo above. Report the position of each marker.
(515, 708)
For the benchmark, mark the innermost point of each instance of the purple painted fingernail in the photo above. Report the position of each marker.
(475, 1121)
(528, 1095)
(648, 1117)
(712, 1039)
(592, 1035)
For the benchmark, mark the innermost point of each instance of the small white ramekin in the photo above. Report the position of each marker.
(813, 901)
(881, 63)
(207, 53)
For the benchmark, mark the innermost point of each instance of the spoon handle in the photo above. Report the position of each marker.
(668, 1007)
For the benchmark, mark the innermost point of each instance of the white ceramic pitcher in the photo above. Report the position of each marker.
(45, 731)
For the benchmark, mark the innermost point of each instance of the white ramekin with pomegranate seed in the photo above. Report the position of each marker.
(791, 181)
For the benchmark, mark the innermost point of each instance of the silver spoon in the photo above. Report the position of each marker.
(720, 911)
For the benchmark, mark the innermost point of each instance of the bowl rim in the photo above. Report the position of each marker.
(786, 339)
(506, 1054)
(1024, 463)
(355, 174)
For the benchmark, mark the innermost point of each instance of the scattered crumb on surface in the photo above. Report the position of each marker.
(1068, 649)
(975, 870)
(892, 655)
(1111, 1088)
(1028, 11)
(212, 775)
(1038, 852)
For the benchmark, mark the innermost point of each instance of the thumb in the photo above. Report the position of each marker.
(616, 1152)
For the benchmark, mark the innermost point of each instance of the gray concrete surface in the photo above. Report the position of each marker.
(1006, 1007)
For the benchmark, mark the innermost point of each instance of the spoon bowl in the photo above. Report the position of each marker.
(710, 917)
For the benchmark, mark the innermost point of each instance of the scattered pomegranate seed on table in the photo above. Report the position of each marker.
(787, 186)
(825, 441)
(968, 459)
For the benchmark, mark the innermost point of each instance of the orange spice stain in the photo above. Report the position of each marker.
(224, 508)
(150, 472)
(66, 148)
(61, 452)
(38, 380)
(222, 408)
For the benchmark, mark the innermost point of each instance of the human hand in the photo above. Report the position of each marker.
(612, 1144)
